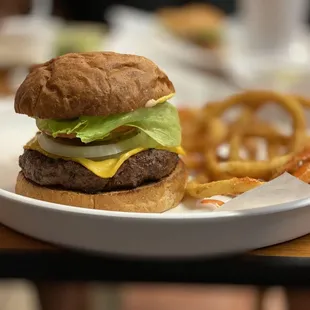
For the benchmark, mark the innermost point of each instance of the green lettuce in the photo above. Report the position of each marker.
(161, 123)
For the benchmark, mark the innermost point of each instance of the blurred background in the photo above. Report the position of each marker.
(209, 49)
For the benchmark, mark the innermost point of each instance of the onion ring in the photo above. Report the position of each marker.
(303, 173)
(257, 99)
(234, 173)
(238, 130)
(294, 163)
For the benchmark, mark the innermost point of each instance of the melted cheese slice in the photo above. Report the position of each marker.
(105, 168)
(165, 98)
(153, 102)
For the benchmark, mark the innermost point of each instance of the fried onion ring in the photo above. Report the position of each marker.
(295, 163)
(235, 167)
(239, 169)
(257, 99)
(236, 138)
(303, 173)
(250, 168)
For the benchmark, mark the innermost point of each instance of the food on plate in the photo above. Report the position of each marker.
(199, 23)
(232, 186)
(108, 138)
(298, 166)
(209, 204)
(223, 153)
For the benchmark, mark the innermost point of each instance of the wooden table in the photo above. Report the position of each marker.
(24, 257)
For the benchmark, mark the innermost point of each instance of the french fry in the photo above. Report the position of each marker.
(233, 186)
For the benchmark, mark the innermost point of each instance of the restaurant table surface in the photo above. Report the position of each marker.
(25, 257)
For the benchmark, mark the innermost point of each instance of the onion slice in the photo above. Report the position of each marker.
(52, 146)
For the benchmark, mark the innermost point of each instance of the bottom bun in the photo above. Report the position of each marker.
(154, 198)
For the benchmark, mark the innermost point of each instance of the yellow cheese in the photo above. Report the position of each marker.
(153, 102)
(165, 98)
(105, 168)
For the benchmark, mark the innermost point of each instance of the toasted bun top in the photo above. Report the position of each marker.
(90, 84)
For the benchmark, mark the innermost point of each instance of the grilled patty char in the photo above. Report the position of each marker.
(148, 166)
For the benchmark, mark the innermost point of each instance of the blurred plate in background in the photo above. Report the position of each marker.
(146, 28)
(142, 33)
(193, 86)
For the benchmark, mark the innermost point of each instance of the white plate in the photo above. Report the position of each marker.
(175, 234)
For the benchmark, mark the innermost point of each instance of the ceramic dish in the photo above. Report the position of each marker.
(182, 233)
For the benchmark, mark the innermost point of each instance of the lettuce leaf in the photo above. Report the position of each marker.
(161, 123)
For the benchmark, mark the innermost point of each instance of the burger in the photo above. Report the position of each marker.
(199, 23)
(107, 136)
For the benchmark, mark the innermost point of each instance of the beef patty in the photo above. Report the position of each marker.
(144, 167)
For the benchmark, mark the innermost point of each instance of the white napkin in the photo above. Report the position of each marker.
(285, 188)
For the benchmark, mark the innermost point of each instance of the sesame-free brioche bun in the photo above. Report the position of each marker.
(152, 198)
(90, 84)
